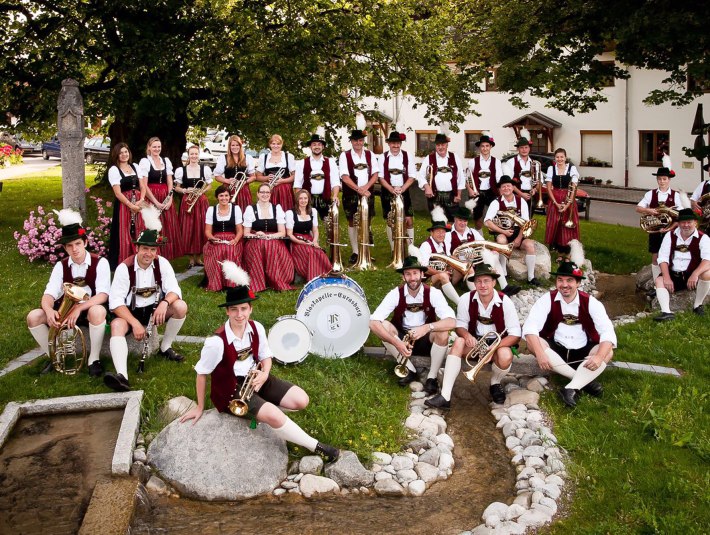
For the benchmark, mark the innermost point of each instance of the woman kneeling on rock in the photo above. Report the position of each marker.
(238, 350)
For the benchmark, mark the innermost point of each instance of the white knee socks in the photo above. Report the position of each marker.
(96, 336)
(558, 364)
(172, 328)
(700, 292)
(119, 354)
(450, 292)
(530, 263)
(438, 353)
(583, 376)
(499, 373)
(41, 336)
(451, 371)
(664, 299)
(291, 432)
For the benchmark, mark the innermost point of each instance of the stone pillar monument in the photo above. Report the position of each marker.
(70, 121)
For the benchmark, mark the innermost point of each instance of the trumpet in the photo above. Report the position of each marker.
(661, 222)
(238, 185)
(483, 351)
(470, 182)
(569, 199)
(195, 193)
(536, 181)
(278, 175)
(507, 220)
(401, 370)
(239, 406)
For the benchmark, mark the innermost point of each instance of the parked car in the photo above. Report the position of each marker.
(217, 145)
(27, 146)
(51, 148)
(205, 157)
(97, 149)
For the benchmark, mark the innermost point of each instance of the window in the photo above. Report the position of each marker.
(596, 148)
(539, 143)
(696, 84)
(651, 146)
(471, 137)
(608, 81)
(492, 80)
(425, 142)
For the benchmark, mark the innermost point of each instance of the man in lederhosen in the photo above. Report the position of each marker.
(319, 175)
(421, 311)
(570, 333)
(237, 347)
(398, 173)
(520, 169)
(359, 170)
(486, 171)
(684, 259)
(436, 243)
(80, 268)
(479, 313)
(144, 286)
(448, 182)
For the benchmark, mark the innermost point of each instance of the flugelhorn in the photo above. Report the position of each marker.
(661, 222)
(507, 220)
(239, 406)
(196, 192)
(395, 220)
(401, 370)
(238, 185)
(62, 341)
(483, 351)
(278, 175)
(569, 199)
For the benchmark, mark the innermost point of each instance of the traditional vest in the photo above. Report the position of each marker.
(274, 170)
(224, 382)
(554, 318)
(229, 225)
(264, 225)
(496, 315)
(129, 182)
(231, 172)
(561, 181)
(386, 165)
(302, 227)
(188, 182)
(518, 203)
(158, 176)
(307, 176)
(518, 169)
(694, 249)
(87, 280)
(456, 241)
(130, 264)
(347, 190)
(451, 162)
(433, 245)
(398, 314)
(477, 171)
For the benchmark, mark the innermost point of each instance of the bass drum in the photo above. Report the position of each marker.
(289, 340)
(335, 309)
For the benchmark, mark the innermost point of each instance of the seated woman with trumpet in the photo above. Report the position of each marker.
(278, 168)
(481, 314)
(236, 169)
(562, 215)
(266, 256)
(193, 181)
(509, 221)
(223, 230)
(238, 359)
(310, 261)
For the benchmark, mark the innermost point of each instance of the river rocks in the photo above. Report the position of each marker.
(426, 472)
(430, 456)
(417, 487)
(522, 397)
(242, 464)
(175, 408)
(310, 464)
(644, 278)
(381, 458)
(389, 487)
(519, 271)
(311, 485)
(347, 471)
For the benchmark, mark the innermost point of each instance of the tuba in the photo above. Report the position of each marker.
(472, 251)
(506, 219)
(332, 226)
(662, 222)
(400, 370)
(571, 190)
(62, 341)
(239, 406)
(483, 351)
(470, 182)
(197, 191)
(238, 185)
(362, 230)
(395, 220)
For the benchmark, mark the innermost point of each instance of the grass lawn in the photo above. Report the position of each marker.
(639, 456)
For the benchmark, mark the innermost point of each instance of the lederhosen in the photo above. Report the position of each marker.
(282, 193)
(386, 196)
(517, 173)
(656, 239)
(143, 314)
(128, 184)
(350, 196)
(423, 345)
(225, 385)
(555, 317)
(680, 278)
(88, 280)
(445, 199)
(321, 201)
(486, 196)
(518, 211)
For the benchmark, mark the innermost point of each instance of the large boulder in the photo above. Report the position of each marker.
(219, 458)
(681, 301)
(348, 472)
(644, 278)
(519, 271)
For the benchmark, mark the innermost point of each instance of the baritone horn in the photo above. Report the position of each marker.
(442, 262)
(362, 230)
(62, 341)
(239, 406)
(472, 251)
(507, 220)
(197, 191)
(395, 221)
(332, 230)
(482, 352)
(238, 185)
(661, 222)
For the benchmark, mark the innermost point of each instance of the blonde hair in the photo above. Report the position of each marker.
(276, 138)
(242, 161)
(150, 142)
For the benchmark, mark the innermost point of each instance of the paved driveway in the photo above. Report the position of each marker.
(32, 164)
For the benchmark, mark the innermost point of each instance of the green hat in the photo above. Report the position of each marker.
(523, 142)
(483, 269)
(438, 224)
(505, 179)
(687, 214)
(462, 212)
(72, 232)
(151, 238)
(568, 269)
(238, 295)
(411, 262)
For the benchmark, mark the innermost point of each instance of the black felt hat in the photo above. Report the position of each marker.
(72, 232)
(441, 138)
(663, 171)
(505, 179)
(315, 138)
(485, 139)
(568, 269)
(239, 295)
(396, 137)
(357, 134)
(483, 269)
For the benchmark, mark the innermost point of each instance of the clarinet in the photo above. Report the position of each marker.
(148, 334)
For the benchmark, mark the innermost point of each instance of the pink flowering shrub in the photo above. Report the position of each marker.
(9, 155)
(42, 232)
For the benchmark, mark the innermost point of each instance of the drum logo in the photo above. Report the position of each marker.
(333, 322)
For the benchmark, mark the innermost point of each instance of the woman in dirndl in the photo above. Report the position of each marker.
(158, 173)
(127, 222)
(266, 256)
(309, 260)
(188, 182)
(236, 161)
(274, 162)
(223, 230)
(559, 177)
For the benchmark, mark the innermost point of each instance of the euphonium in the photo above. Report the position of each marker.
(197, 191)
(472, 251)
(507, 220)
(569, 199)
(470, 182)
(395, 220)
(536, 180)
(332, 226)
(442, 262)
(278, 175)
(362, 229)
(401, 370)
(483, 352)
(62, 340)
(238, 185)
(661, 222)
(239, 406)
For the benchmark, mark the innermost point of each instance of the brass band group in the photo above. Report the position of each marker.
(248, 245)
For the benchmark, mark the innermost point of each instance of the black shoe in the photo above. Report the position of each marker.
(664, 316)
(594, 388)
(569, 396)
(651, 293)
(171, 354)
(699, 310)
(96, 369)
(117, 382)
(511, 290)
(331, 453)
(49, 368)
(498, 394)
(431, 386)
(353, 258)
(409, 378)
(534, 282)
(437, 402)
